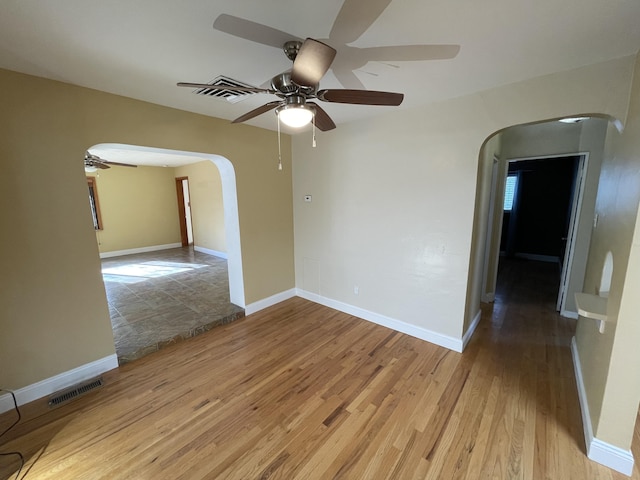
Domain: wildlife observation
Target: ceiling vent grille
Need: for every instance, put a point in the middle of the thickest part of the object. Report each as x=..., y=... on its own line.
x=218, y=89
x=73, y=392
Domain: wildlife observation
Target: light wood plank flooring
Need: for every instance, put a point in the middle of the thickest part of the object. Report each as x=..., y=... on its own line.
x=300, y=391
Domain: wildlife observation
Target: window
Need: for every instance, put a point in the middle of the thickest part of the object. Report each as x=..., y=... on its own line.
x=509, y=192
x=94, y=203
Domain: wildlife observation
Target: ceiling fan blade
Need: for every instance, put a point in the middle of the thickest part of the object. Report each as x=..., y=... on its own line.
x=225, y=87
x=107, y=163
x=361, y=97
x=346, y=77
x=256, y=32
x=322, y=119
x=98, y=164
x=354, y=18
x=312, y=62
x=410, y=53
x=257, y=111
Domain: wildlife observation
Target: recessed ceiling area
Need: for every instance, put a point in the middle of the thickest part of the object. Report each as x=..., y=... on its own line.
x=142, y=49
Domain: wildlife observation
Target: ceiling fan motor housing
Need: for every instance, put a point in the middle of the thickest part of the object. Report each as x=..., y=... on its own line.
x=283, y=84
x=291, y=49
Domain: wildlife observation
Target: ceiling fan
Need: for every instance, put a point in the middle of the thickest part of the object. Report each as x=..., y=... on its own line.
x=93, y=162
x=352, y=21
x=295, y=87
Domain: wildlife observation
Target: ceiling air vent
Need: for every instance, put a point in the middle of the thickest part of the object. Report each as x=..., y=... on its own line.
x=218, y=89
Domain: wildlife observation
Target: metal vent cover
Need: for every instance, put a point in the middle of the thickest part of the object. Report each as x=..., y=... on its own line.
x=75, y=391
x=217, y=89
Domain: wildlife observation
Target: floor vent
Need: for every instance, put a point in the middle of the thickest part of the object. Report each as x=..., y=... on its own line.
x=218, y=89
x=73, y=392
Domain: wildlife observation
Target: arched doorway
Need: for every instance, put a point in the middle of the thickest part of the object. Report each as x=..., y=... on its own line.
x=153, y=162
x=539, y=140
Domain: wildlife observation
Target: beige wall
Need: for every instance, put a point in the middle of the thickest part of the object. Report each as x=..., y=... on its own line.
x=54, y=314
x=482, y=258
x=609, y=361
x=139, y=208
x=540, y=139
x=207, y=209
x=394, y=196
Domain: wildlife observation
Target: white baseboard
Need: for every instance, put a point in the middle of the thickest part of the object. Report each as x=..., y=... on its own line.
x=597, y=450
x=422, y=333
x=208, y=251
x=58, y=382
x=472, y=328
x=130, y=251
x=269, y=301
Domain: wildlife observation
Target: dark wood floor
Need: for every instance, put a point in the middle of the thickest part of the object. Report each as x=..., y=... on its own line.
x=302, y=391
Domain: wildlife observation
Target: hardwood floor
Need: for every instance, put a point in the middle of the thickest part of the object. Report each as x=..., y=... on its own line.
x=300, y=391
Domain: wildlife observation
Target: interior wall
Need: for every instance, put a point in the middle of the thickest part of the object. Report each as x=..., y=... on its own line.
x=608, y=360
x=541, y=140
x=51, y=252
x=138, y=208
x=481, y=260
x=207, y=208
x=490, y=273
x=393, y=197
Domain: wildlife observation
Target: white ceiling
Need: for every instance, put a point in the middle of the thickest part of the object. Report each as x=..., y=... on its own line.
x=141, y=48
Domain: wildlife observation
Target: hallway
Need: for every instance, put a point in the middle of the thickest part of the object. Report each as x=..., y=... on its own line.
x=536, y=342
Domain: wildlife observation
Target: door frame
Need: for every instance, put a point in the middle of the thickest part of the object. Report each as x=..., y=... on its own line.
x=576, y=207
x=183, y=211
x=578, y=196
x=491, y=227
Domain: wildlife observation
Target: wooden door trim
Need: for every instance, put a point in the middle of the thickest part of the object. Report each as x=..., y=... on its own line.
x=181, y=211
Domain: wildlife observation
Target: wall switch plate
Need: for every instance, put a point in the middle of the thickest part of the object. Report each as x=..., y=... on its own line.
x=307, y=198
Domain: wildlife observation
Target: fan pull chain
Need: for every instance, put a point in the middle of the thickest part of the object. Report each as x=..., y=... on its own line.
x=279, y=146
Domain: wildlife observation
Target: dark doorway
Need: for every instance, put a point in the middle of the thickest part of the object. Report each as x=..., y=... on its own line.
x=537, y=223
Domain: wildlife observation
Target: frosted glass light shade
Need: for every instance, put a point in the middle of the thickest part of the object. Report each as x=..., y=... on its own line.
x=295, y=115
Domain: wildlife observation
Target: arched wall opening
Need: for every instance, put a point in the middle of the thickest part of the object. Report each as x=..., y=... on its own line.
x=549, y=139
x=230, y=205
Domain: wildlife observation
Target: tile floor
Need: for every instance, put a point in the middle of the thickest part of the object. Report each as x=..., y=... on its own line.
x=162, y=297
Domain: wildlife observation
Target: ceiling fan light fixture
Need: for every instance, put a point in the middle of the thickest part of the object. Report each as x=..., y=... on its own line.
x=295, y=115
x=90, y=169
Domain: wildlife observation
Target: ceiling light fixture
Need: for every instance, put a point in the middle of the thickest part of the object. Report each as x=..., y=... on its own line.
x=295, y=115
x=90, y=169
x=295, y=112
